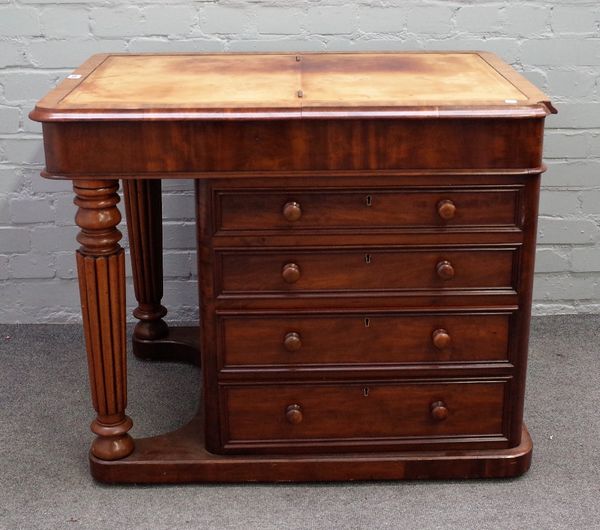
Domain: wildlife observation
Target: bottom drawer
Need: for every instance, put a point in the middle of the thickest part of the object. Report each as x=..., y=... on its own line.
x=352, y=414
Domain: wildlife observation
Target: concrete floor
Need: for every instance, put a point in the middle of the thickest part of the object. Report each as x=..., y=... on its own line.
x=45, y=411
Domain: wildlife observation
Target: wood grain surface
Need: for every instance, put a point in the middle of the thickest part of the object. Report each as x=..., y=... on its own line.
x=258, y=340
x=363, y=414
x=320, y=209
x=339, y=269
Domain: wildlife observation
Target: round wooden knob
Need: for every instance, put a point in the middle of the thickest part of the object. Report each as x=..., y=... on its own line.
x=439, y=411
x=441, y=339
x=292, y=341
x=290, y=272
x=445, y=270
x=292, y=211
x=446, y=209
x=293, y=414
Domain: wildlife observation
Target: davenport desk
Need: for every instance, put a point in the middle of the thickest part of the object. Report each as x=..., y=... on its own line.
x=366, y=238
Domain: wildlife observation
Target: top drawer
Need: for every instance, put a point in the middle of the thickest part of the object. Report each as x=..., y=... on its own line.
x=326, y=208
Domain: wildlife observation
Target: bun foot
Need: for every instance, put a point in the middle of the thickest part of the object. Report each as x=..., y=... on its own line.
x=113, y=441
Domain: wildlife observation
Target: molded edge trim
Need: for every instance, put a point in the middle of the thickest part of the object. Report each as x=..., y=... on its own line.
x=540, y=110
x=279, y=174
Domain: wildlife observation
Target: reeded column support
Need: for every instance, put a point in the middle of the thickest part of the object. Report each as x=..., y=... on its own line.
x=152, y=338
x=101, y=270
x=143, y=206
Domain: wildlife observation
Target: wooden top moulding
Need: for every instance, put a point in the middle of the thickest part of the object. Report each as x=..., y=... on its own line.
x=290, y=86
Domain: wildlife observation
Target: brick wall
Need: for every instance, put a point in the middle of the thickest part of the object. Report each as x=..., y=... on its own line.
x=555, y=43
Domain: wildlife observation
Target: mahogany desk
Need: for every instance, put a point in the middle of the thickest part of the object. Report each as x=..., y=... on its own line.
x=366, y=237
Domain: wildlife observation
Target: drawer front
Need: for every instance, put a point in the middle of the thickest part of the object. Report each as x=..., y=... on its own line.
x=325, y=209
x=384, y=270
x=301, y=339
x=363, y=411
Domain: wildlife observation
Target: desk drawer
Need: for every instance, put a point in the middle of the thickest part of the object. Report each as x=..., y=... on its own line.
x=363, y=412
x=370, y=269
x=324, y=209
x=308, y=339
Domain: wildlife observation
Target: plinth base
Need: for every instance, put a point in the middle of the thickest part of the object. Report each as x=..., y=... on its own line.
x=182, y=344
x=181, y=457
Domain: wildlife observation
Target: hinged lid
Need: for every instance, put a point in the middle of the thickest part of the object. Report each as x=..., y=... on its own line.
x=313, y=85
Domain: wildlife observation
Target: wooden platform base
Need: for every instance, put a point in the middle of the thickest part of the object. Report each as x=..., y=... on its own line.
x=182, y=344
x=180, y=457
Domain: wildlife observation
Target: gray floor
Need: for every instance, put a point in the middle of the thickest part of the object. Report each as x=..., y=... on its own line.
x=44, y=439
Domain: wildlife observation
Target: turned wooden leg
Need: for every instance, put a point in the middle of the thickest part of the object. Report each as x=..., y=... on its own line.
x=101, y=270
x=143, y=206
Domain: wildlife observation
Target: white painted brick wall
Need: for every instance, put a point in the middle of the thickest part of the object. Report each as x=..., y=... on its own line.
x=555, y=43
